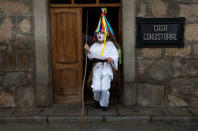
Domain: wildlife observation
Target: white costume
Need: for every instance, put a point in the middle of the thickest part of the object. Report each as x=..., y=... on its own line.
x=102, y=71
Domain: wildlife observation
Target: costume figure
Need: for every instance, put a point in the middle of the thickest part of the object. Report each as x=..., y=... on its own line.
x=106, y=54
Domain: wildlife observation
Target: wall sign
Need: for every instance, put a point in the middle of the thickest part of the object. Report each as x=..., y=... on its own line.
x=160, y=32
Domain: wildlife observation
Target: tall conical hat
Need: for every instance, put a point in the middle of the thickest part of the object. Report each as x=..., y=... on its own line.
x=103, y=24
x=104, y=27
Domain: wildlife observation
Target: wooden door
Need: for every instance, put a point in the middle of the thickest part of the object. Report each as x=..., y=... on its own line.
x=66, y=43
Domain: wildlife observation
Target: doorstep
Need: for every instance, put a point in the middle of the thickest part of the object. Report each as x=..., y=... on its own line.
x=115, y=114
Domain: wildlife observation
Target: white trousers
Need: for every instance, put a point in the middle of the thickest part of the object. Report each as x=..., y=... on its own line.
x=100, y=86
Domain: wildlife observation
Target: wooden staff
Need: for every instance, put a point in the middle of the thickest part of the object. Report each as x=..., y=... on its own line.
x=83, y=84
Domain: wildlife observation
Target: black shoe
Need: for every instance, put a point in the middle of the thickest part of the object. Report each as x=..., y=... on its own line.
x=103, y=108
x=96, y=104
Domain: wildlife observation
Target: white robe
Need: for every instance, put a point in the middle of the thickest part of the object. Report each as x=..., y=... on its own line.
x=110, y=51
x=102, y=73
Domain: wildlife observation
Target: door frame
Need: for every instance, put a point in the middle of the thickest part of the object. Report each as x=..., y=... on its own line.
x=43, y=73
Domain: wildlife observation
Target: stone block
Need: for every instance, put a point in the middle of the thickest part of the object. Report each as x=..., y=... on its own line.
x=43, y=92
x=6, y=99
x=8, y=61
x=191, y=32
x=25, y=25
x=151, y=52
x=176, y=101
x=138, y=52
x=6, y=112
x=141, y=66
x=194, y=110
x=174, y=120
x=74, y=119
x=176, y=111
x=186, y=51
x=148, y=94
x=69, y=110
x=140, y=111
x=2, y=74
x=188, y=10
x=24, y=41
x=186, y=1
x=13, y=79
x=128, y=119
x=183, y=92
x=3, y=47
x=27, y=111
x=24, y=96
x=14, y=8
x=191, y=20
x=177, y=66
x=25, y=120
x=189, y=67
x=173, y=9
x=141, y=8
x=159, y=8
x=6, y=30
x=25, y=60
x=184, y=67
x=160, y=70
x=147, y=1
x=195, y=49
x=98, y=112
x=129, y=93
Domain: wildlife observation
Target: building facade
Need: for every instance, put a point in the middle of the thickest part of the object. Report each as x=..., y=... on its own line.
x=150, y=76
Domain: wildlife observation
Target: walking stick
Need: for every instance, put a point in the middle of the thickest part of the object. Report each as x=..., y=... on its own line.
x=83, y=84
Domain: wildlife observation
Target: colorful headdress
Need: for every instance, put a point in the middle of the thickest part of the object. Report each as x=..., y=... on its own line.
x=104, y=27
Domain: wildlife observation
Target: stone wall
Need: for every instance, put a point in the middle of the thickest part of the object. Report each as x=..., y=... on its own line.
x=169, y=76
x=17, y=57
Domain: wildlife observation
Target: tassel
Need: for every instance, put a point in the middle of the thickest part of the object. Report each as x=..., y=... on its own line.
x=119, y=56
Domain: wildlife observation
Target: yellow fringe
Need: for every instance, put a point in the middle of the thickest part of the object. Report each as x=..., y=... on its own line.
x=103, y=48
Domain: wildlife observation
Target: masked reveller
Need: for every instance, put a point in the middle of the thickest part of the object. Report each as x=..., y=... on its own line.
x=106, y=55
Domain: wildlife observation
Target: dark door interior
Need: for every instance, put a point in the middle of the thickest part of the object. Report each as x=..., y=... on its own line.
x=93, y=18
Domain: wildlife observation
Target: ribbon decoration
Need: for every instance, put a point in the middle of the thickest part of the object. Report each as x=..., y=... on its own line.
x=105, y=27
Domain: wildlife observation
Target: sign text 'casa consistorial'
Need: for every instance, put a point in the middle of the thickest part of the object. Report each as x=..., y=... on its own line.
x=160, y=32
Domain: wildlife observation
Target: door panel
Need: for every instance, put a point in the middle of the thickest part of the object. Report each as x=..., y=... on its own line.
x=67, y=47
x=66, y=40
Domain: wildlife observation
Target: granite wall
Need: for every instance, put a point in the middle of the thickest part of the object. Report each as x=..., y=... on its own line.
x=169, y=76
x=17, y=56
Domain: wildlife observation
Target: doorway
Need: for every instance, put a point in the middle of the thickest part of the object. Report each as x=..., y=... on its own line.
x=68, y=27
x=93, y=18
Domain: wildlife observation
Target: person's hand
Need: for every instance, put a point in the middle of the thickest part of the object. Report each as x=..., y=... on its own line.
x=86, y=47
x=109, y=59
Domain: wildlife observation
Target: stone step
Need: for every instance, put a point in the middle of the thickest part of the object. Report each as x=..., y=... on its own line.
x=57, y=114
x=181, y=120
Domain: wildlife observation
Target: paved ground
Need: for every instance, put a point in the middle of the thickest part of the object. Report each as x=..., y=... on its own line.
x=117, y=118
x=97, y=127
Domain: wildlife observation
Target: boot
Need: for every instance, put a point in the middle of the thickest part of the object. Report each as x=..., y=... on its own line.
x=96, y=104
x=103, y=108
